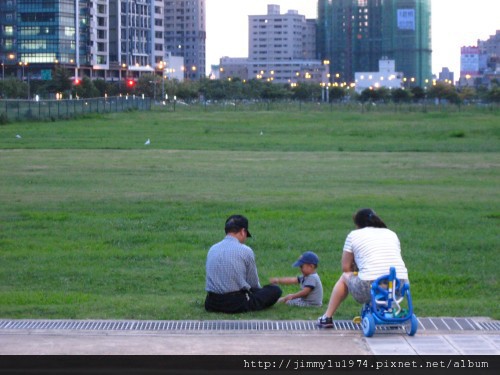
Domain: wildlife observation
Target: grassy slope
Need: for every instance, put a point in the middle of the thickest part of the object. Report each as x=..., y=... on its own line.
x=95, y=224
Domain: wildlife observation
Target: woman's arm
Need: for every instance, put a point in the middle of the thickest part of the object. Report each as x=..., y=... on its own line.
x=348, y=262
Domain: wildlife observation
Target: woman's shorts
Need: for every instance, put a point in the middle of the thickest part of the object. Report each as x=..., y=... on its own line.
x=359, y=289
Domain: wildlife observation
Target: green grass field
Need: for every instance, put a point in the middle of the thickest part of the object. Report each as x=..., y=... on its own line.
x=94, y=224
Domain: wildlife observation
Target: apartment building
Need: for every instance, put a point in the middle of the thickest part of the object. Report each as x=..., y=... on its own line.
x=281, y=49
x=107, y=39
x=185, y=34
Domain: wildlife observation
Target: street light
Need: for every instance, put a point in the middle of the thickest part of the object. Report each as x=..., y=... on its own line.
x=154, y=87
x=25, y=64
x=162, y=65
x=122, y=67
x=22, y=65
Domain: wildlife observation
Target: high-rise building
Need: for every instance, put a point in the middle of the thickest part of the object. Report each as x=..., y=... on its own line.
x=135, y=39
x=446, y=76
x=102, y=38
x=472, y=61
x=491, y=47
x=281, y=49
x=355, y=34
x=276, y=36
x=185, y=34
x=480, y=65
x=36, y=35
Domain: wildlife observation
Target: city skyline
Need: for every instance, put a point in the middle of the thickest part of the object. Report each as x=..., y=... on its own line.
x=454, y=24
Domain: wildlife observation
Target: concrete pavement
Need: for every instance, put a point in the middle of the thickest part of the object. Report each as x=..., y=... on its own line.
x=232, y=338
x=244, y=343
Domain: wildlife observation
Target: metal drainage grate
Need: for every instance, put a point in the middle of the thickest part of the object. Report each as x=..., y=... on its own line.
x=490, y=326
x=425, y=324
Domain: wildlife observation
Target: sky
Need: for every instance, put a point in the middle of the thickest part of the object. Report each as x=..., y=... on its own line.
x=455, y=23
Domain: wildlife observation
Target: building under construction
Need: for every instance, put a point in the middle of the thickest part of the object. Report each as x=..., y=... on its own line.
x=353, y=35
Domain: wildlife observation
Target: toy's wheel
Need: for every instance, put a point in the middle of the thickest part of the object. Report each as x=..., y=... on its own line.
x=368, y=325
x=412, y=325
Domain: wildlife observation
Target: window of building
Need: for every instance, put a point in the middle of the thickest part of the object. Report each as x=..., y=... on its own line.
x=69, y=31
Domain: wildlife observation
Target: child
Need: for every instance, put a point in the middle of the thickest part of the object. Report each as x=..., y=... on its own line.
x=311, y=292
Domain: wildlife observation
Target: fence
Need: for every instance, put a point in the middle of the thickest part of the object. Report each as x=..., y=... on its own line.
x=19, y=110
x=308, y=106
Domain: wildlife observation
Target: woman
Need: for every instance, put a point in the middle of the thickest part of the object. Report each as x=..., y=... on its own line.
x=369, y=251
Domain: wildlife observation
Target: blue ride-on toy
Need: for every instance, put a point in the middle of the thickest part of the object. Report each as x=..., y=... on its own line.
x=390, y=305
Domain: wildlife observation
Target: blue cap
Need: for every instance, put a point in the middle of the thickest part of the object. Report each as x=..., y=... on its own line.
x=307, y=258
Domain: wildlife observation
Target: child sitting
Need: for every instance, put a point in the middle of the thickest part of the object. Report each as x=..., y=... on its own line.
x=311, y=289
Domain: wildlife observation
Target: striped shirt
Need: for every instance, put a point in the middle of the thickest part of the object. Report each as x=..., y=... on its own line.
x=230, y=267
x=375, y=251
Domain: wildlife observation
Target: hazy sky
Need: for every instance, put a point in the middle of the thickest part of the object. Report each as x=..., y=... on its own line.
x=455, y=23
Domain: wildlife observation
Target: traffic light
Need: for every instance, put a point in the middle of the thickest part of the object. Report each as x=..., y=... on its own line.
x=77, y=81
x=130, y=82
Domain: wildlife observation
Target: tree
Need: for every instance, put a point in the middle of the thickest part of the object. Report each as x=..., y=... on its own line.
x=467, y=94
x=253, y=89
x=13, y=88
x=443, y=91
x=146, y=84
x=337, y=94
x=274, y=91
x=418, y=93
x=399, y=96
x=306, y=91
x=85, y=88
x=188, y=90
x=368, y=95
x=105, y=88
x=61, y=81
x=214, y=89
x=493, y=95
x=383, y=94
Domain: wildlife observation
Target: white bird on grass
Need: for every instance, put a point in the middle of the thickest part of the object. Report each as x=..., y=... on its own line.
x=18, y=136
x=148, y=142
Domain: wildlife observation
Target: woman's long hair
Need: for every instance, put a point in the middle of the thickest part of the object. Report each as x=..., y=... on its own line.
x=366, y=217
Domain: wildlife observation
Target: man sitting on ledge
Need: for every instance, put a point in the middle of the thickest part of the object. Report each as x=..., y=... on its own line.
x=232, y=282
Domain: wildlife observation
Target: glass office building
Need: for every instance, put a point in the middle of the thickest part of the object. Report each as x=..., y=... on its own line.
x=46, y=31
x=106, y=39
x=353, y=35
x=37, y=35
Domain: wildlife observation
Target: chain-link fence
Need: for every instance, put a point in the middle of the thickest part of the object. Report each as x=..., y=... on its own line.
x=20, y=110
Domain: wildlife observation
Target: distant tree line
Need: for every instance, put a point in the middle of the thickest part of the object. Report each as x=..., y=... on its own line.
x=62, y=86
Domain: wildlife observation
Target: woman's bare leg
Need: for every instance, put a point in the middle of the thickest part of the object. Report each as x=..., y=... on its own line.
x=339, y=294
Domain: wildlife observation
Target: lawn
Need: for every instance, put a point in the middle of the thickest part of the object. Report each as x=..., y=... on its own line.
x=95, y=224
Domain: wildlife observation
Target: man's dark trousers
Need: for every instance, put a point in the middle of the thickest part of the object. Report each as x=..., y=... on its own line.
x=243, y=301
